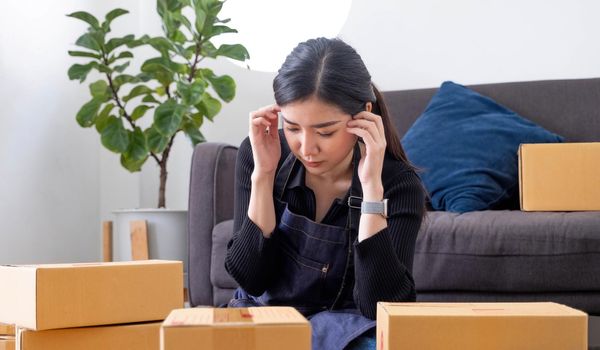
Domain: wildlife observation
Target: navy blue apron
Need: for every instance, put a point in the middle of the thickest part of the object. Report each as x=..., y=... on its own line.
x=313, y=268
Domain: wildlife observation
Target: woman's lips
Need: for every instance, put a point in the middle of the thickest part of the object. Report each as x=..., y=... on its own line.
x=312, y=164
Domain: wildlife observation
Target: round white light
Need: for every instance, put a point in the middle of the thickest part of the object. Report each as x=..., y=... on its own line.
x=270, y=29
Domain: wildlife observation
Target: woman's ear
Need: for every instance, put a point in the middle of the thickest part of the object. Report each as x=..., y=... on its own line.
x=368, y=107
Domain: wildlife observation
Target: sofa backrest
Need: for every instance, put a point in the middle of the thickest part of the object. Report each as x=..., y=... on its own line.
x=570, y=108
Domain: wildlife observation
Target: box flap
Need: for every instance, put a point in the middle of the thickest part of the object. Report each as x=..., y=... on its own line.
x=269, y=315
x=480, y=309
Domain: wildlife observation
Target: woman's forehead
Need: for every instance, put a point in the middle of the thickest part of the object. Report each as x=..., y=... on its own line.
x=312, y=112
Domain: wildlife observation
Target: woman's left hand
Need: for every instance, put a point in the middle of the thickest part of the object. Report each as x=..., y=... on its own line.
x=369, y=126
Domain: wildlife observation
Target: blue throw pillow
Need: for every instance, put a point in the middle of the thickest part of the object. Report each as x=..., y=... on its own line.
x=466, y=146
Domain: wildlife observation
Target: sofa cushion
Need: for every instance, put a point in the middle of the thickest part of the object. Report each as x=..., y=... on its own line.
x=466, y=144
x=219, y=277
x=508, y=251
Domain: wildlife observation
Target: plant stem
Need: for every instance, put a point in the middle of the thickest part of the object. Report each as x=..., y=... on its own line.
x=163, y=173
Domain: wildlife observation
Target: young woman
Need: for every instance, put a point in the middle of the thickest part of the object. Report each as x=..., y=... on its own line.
x=327, y=210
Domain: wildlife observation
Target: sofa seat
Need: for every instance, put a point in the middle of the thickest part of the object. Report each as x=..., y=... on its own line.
x=508, y=251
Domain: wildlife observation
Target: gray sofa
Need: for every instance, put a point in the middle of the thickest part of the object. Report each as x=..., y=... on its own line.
x=503, y=255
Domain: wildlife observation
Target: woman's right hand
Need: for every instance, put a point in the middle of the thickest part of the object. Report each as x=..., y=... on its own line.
x=264, y=138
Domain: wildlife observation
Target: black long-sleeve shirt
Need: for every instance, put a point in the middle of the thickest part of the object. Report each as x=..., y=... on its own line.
x=382, y=264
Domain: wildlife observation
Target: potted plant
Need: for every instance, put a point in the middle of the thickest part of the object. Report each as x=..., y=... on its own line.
x=171, y=87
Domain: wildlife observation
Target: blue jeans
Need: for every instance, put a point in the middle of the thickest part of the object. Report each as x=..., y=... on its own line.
x=366, y=341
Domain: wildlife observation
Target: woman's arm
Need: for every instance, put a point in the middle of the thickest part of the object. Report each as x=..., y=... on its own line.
x=249, y=256
x=383, y=261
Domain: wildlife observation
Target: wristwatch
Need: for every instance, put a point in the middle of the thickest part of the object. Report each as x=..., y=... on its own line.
x=380, y=208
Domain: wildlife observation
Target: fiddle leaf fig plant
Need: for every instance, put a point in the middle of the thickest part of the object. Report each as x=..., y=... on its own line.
x=171, y=87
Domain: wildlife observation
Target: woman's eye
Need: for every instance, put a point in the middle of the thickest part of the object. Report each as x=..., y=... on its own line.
x=326, y=135
x=292, y=130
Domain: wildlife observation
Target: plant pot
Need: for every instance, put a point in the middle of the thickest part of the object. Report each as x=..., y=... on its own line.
x=167, y=234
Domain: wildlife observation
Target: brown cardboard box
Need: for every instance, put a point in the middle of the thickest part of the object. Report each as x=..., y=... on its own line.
x=7, y=343
x=253, y=328
x=139, y=336
x=7, y=329
x=475, y=326
x=54, y=296
x=559, y=176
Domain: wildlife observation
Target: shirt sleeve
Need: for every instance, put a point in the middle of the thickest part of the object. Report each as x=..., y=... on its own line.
x=383, y=262
x=249, y=255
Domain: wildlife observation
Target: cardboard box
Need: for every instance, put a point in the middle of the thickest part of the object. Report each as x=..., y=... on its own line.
x=7, y=329
x=7, y=343
x=559, y=176
x=475, y=326
x=253, y=328
x=54, y=296
x=140, y=336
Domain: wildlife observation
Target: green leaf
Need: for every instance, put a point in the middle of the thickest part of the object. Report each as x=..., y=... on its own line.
x=102, y=118
x=84, y=54
x=194, y=134
x=181, y=18
x=137, y=91
x=79, y=71
x=200, y=18
x=130, y=164
x=207, y=73
x=237, y=52
x=209, y=106
x=150, y=99
x=164, y=6
x=218, y=30
x=102, y=68
x=224, y=87
x=208, y=49
x=139, y=111
x=197, y=119
x=116, y=42
x=162, y=45
x=156, y=142
x=87, y=114
x=122, y=79
x=100, y=91
x=111, y=16
x=122, y=67
x=214, y=7
x=179, y=37
x=86, y=17
x=124, y=54
x=137, y=149
x=114, y=136
x=163, y=69
x=191, y=94
x=88, y=41
x=168, y=117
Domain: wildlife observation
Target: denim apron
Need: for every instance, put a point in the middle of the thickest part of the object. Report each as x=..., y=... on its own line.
x=313, y=268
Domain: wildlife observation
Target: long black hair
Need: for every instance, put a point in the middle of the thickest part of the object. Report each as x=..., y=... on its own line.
x=333, y=72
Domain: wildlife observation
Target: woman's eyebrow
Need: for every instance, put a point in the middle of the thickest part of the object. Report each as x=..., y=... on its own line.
x=316, y=126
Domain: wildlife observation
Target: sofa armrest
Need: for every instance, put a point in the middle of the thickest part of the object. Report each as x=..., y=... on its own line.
x=210, y=202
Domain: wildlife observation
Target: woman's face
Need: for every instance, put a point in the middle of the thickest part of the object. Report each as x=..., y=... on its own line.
x=316, y=133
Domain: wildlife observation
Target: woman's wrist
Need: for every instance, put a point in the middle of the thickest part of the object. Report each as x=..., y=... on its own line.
x=373, y=193
x=262, y=177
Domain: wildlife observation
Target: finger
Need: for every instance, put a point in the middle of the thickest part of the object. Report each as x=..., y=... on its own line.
x=366, y=136
x=367, y=125
x=372, y=117
x=260, y=123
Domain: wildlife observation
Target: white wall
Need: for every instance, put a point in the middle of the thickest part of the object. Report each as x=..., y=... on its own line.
x=50, y=180
x=57, y=183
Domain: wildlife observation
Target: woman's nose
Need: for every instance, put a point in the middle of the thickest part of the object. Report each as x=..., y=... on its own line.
x=308, y=148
